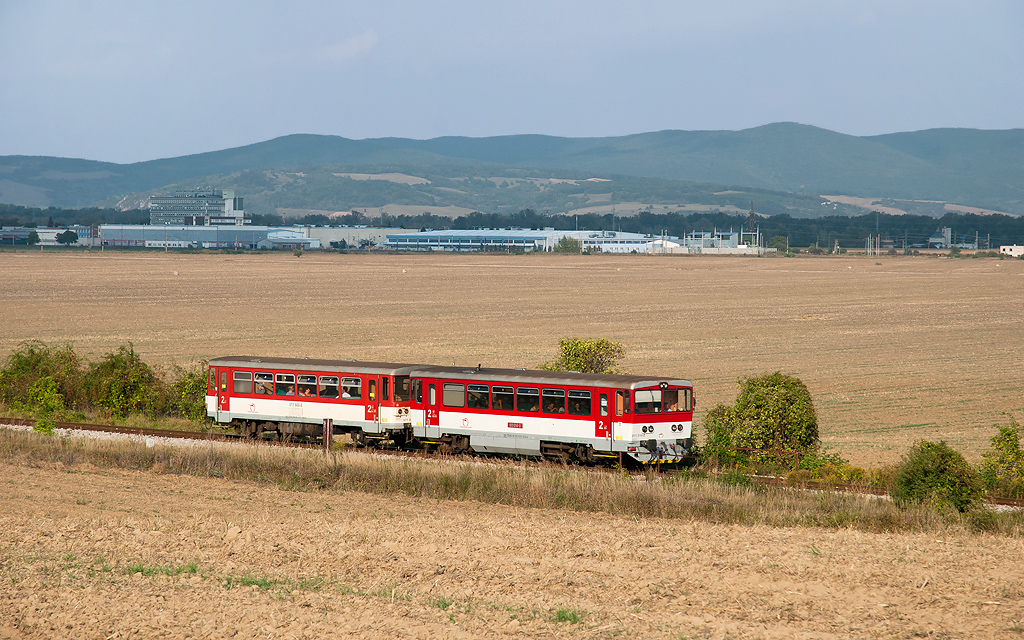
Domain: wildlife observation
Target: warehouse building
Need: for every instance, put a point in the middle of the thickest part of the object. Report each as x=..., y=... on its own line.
x=520, y=240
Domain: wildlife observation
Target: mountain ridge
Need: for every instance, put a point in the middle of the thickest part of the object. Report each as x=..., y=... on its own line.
x=971, y=167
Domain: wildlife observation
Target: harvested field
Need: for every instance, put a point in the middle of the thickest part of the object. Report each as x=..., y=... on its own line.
x=893, y=349
x=89, y=553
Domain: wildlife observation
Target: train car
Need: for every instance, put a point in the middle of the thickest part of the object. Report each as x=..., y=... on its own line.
x=294, y=396
x=561, y=415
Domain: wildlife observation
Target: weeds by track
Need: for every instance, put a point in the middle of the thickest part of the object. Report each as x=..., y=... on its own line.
x=765, y=481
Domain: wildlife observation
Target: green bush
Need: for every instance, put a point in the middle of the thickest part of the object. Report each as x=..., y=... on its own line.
x=935, y=475
x=1002, y=467
x=772, y=411
x=33, y=361
x=586, y=355
x=188, y=391
x=122, y=383
x=568, y=244
x=44, y=398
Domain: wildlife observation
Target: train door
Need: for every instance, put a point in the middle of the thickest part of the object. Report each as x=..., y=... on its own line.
x=417, y=412
x=372, y=404
x=433, y=429
x=619, y=427
x=603, y=423
x=222, y=396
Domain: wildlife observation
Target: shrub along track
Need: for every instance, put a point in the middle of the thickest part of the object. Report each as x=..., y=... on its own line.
x=768, y=481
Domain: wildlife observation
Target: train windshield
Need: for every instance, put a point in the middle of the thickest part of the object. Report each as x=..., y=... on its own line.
x=662, y=400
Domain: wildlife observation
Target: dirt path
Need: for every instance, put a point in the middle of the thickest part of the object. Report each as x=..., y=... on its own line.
x=111, y=554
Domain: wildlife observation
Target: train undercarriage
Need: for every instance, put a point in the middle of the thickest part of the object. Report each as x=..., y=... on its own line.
x=450, y=444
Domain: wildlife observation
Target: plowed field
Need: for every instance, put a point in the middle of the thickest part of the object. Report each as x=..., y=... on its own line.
x=120, y=554
x=893, y=349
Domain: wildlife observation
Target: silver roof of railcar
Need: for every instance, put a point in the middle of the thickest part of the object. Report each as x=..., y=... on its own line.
x=310, y=364
x=529, y=376
x=515, y=376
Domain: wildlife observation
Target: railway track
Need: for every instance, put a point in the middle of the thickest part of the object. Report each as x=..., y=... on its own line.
x=768, y=481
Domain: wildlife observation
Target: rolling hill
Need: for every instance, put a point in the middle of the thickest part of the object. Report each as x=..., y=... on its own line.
x=788, y=165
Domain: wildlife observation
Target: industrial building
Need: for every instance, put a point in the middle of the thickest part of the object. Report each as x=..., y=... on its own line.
x=12, y=236
x=198, y=207
x=716, y=242
x=239, y=237
x=519, y=240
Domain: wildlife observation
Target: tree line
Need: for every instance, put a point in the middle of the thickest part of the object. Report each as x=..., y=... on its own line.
x=848, y=231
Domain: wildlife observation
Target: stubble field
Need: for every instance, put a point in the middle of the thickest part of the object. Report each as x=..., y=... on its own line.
x=892, y=352
x=893, y=349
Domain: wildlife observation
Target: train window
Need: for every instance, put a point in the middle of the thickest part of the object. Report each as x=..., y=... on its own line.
x=687, y=404
x=528, y=399
x=328, y=386
x=417, y=391
x=604, y=404
x=479, y=397
x=647, y=400
x=502, y=398
x=433, y=395
x=579, y=403
x=223, y=381
x=241, y=382
x=351, y=388
x=401, y=388
x=371, y=389
x=554, y=400
x=676, y=400
x=453, y=394
x=213, y=379
x=285, y=384
x=307, y=386
x=385, y=388
x=264, y=384
x=626, y=403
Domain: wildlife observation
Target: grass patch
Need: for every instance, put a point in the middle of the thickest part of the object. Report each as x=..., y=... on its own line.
x=572, y=616
x=148, y=570
x=687, y=496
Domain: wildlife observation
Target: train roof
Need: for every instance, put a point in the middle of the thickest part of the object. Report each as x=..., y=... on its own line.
x=515, y=376
x=311, y=364
x=529, y=376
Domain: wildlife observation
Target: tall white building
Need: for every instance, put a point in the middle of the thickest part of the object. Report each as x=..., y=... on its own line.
x=198, y=207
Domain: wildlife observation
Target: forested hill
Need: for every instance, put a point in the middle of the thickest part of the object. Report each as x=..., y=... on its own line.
x=983, y=169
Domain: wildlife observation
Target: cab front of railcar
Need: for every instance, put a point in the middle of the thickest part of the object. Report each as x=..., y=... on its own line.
x=654, y=421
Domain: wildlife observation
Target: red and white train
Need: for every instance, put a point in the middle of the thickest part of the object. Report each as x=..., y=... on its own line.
x=560, y=415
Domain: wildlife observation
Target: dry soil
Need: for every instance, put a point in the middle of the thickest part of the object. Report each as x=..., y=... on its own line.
x=86, y=553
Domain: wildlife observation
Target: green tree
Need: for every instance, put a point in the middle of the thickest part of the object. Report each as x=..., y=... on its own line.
x=935, y=475
x=568, y=244
x=772, y=411
x=124, y=384
x=779, y=243
x=33, y=238
x=1002, y=466
x=67, y=238
x=586, y=355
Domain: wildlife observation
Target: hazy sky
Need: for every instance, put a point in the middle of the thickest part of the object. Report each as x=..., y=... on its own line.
x=128, y=81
